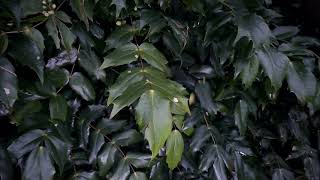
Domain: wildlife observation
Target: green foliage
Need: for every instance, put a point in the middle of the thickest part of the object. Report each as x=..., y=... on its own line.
x=166, y=89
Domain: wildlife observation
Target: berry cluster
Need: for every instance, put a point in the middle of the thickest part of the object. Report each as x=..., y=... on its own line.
x=48, y=7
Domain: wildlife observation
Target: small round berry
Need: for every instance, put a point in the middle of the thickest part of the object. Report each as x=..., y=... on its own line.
x=46, y=14
x=54, y=6
x=118, y=23
x=135, y=8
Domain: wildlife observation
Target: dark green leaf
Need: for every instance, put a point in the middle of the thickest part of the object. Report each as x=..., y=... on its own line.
x=255, y=28
x=91, y=63
x=123, y=55
x=36, y=36
x=204, y=94
x=82, y=86
x=274, y=64
x=95, y=144
x=106, y=158
x=122, y=171
x=58, y=108
x=138, y=160
x=301, y=81
x=58, y=150
x=127, y=138
x=39, y=165
x=26, y=143
x=27, y=53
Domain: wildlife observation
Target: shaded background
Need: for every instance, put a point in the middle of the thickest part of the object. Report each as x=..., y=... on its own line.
x=302, y=13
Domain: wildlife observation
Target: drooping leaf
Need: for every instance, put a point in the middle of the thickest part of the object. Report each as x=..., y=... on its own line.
x=301, y=81
x=39, y=165
x=274, y=64
x=254, y=27
x=175, y=146
x=81, y=85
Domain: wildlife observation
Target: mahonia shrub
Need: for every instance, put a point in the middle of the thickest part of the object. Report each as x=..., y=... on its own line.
x=156, y=89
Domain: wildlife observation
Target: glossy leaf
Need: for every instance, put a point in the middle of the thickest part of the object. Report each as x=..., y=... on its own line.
x=26, y=143
x=274, y=64
x=106, y=158
x=81, y=85
x=122, y=171
x=91, y=63
x=39, y=165
x=28, y=54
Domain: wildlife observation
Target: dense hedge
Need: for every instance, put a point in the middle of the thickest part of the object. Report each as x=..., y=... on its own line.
x=166, y=89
